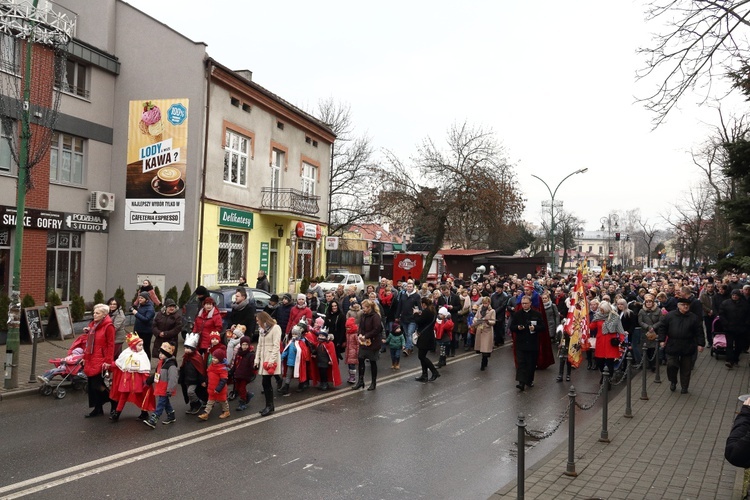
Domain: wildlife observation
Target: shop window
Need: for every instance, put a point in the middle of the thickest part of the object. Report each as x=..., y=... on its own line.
x=5, y=264
x=64, y=263
x=232, y=255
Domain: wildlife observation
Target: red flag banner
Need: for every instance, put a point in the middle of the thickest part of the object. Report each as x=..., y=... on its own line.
x=577, y=323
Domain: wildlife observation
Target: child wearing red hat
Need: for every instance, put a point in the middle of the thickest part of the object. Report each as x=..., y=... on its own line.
x=352, y=349
x=218, y=375
x=132, y=368
x=243, y=371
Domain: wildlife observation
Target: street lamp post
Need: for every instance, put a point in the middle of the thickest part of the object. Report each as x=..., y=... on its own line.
x=552, y=209
x=610, y=221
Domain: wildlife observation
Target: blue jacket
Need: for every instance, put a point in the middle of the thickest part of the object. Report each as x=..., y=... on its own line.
x=290, y=354
x=144, y=317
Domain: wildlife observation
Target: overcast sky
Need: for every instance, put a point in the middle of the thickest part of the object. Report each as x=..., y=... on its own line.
x=554, y=80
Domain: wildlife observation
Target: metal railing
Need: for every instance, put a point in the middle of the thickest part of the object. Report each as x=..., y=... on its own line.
x=289, y=200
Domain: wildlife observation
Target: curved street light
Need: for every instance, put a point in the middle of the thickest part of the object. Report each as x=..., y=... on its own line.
x=552, y=208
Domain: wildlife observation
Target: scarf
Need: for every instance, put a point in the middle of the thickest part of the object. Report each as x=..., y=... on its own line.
x=612, y=323
x=90, y=338
x=209, y=314
x=241, y=305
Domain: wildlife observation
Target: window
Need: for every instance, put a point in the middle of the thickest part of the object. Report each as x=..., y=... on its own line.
x=232, y=249
x=305, y=258
x=9, y=54
x=277, y=162
x=345, y=257
x=64, y=263
x=236, y=147
x=74, y=80
x=66, y=159
x=309, y=175
x=6, y=159
x=600, y=248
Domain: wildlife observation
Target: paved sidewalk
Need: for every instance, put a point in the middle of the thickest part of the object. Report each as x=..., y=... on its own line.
x=672, y=448
x=50, y=348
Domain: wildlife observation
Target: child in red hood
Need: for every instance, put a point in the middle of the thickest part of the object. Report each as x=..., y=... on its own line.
x=352, y=349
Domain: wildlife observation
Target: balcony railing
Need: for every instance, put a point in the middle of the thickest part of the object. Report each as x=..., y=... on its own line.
x=289, y=200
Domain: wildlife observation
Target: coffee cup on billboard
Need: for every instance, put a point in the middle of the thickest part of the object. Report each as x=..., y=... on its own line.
x=169, y=177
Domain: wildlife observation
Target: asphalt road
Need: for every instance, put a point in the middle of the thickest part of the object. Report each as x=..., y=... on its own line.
x=452, y=438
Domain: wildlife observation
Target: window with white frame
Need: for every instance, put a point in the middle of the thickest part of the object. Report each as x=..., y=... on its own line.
x=277, y=162
x=64, y=263
x=232, y=251
x=74, y=81
x=66, y=159
x=236, y=147
x=6, y=159
x=9, y=54
x=309, y=177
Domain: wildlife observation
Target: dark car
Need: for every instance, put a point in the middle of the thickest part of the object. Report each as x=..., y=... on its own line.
x=222, y=295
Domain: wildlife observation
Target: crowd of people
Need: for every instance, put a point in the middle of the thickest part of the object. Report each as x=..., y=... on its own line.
x=299, y=342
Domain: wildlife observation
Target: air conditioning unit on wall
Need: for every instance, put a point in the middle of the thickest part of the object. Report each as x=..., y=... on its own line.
x=99, y=201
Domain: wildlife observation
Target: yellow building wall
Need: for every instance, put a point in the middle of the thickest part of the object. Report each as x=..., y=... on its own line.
x=265, y=228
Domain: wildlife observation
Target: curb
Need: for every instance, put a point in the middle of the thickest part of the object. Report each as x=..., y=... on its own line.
x=17, y=393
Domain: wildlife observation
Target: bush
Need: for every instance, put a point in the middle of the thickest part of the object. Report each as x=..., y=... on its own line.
x=27, y=301
x=77, y=308
x=52, y=300
x=120, y=296
x=98, y=297
x=737, y=264
x=304, y=285
x=185, y=295
x=158, y=294
x=4, y=306
x=172, y=294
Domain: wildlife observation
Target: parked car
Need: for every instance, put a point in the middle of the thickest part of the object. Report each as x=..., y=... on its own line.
x=335, y=279
x=223, y=297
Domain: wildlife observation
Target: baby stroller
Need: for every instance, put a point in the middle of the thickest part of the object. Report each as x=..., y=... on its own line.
x=72, y=373
x=719, y=345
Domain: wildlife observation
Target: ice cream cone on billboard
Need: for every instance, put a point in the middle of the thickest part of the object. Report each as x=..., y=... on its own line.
x=150, y=123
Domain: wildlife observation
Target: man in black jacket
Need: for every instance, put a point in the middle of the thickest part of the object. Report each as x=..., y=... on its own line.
x=243, y=311
x=499, y=302
x=680, y=333
x=733, y=314
x=526, y=324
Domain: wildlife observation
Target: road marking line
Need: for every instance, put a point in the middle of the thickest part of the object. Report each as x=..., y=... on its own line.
x=124, y=458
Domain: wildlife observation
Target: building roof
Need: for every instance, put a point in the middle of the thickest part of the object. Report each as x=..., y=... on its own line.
x=460, y=252
x=370, y=232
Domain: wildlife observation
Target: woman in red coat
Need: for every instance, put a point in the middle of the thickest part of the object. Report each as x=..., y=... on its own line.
x=608, y=337
x=207, y=321
x=97, y=357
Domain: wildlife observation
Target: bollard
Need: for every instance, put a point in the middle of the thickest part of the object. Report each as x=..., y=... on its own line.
x=629, y=374
x=657, y=377
x=604, y=437
x=521, y=456
x=32, y=376
x=571, y=469
x=644, y=359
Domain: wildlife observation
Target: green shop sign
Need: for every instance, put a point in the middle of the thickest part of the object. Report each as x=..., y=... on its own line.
x=264, y=256
x=235, y=218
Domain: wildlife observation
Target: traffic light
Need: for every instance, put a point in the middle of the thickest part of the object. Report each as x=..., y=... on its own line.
x=617, y=236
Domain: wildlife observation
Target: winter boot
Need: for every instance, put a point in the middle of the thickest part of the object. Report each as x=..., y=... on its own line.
x=203, y=416
x=352, y=376
x=170, y=419
x=151, y=422
x=242, y=406
x=323, y=386
x=397, y=366
x=484, y=363
x=143, y=416
x=195, y=407
x=284, y=389
x=224, y=414
x=115, y=416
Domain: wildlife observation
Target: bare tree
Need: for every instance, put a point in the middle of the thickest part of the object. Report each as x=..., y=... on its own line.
x=461, y=192
x=691, y=220
x=701, y=39
x=353, y=187
x=647, y=233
